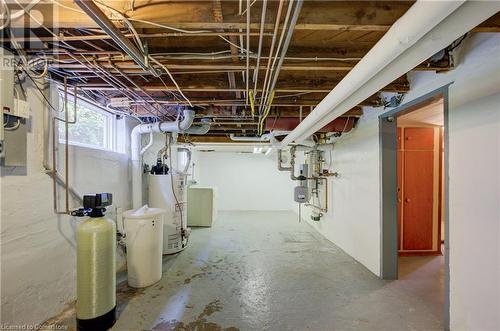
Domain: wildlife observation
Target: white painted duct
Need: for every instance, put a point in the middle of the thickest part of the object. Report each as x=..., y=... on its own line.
x=465, y=18
x=262, y=138
x=135, y=148
x=198, y=129
x=421, y=18
x=271, y=137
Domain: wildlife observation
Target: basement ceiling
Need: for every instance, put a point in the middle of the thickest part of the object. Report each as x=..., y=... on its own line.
x=204, y=46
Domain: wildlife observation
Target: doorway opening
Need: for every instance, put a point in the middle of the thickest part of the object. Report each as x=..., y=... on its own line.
x=420, y=202
x=414, y=248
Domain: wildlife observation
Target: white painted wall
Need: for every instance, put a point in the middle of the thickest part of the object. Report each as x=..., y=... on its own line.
x=245, y=181
x=38, y=269
x=474, y=125
x=475, y=215
x=352, y=220
x=474, y=182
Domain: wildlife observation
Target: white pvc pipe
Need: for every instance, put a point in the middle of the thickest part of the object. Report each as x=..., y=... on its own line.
x=265, y=137
x=250, y=139
x=198, y=129
x=421, y=18
x=135, y=148
x=150, y=143
x=457, y=24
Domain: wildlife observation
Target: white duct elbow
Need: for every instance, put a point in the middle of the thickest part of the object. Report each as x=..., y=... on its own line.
x=198, y=129
x=178, y=126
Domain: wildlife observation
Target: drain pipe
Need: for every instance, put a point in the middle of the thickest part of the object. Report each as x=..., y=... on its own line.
x=421, y=18
x=460, y=22
x=135, y=148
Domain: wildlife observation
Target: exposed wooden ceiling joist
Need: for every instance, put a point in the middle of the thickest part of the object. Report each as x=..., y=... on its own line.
x=341, y=31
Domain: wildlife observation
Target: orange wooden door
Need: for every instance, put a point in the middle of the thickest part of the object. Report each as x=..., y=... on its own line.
x=418, y=193
x=400, y=185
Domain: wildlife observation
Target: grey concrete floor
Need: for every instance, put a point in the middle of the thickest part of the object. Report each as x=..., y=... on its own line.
x=266, y=271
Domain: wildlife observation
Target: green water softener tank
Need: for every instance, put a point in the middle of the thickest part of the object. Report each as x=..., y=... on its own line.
x=96, y=275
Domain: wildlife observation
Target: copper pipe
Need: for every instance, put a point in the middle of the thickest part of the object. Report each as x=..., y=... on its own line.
x=325, y=209
x=66, y=120
x=66, y=148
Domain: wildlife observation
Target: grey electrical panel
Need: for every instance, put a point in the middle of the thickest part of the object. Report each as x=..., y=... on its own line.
x=301, y=194
x=14, y=115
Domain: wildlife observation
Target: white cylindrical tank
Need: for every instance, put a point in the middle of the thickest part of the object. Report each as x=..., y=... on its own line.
x=96, y=276
x=144, y=241
x=162, y=196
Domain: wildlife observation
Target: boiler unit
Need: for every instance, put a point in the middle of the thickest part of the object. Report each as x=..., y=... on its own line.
x=95, y=265
x=168, y=190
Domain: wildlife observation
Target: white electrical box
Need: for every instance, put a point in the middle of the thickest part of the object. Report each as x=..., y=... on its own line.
x=6, y=89
x=201, y=209
x=6, y=81
x=21, y=109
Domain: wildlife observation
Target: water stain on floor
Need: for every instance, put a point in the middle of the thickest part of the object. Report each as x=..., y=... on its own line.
x=199, y=324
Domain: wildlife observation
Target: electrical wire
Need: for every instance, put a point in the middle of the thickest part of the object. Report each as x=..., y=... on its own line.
x=41, y=92
x=158, y=25
x=5, y=16
x=12, y=128
x=27, y=11
x=171, y=77
x=251, y=4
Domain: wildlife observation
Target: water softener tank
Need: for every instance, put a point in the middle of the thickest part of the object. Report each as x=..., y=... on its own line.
x=96, y=275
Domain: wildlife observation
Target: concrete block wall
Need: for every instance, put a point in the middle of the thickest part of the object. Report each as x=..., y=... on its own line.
x=38, y=259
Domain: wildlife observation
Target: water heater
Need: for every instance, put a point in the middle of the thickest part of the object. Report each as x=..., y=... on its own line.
x=95, y=266
x=168, y=191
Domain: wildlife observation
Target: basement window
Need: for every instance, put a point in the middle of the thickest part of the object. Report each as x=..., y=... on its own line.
x=95, y=127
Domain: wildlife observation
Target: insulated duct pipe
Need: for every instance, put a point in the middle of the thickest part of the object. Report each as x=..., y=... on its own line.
x=135, y=148
x=459, y=23
x=199, y=129
x=271, y=137
x=263, y=138
x=421, y=18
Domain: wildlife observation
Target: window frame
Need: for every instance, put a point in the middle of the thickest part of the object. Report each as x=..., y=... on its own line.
x=110, y=128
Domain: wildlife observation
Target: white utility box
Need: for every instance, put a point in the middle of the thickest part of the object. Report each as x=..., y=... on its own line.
x=144, y=240
x=202, y=209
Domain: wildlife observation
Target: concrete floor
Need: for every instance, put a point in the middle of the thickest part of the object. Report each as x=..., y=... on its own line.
x=266, y=271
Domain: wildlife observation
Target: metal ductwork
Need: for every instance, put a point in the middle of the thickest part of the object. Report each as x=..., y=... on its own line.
x=91, y=9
